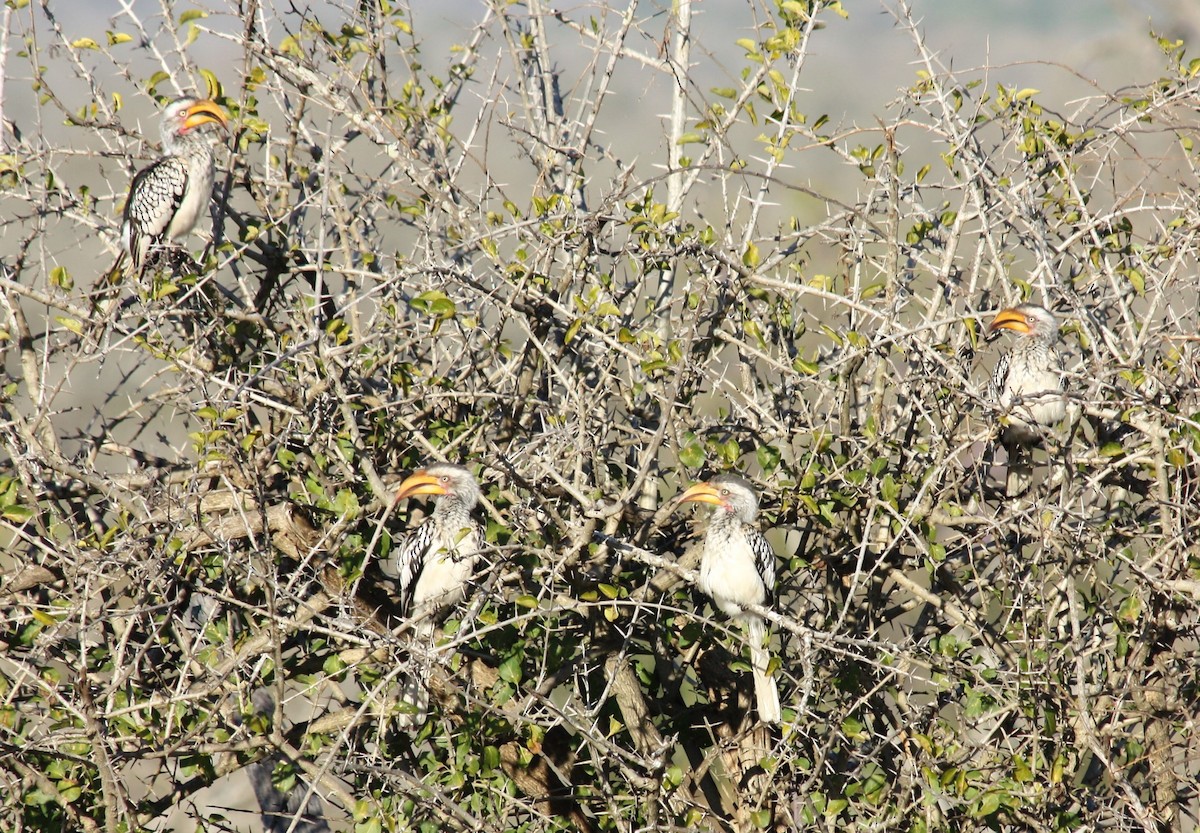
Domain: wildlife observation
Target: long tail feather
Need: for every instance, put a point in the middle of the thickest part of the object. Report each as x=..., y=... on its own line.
x=1020, y=470
x=414, y=699
x=414, y=694
x=766, y=692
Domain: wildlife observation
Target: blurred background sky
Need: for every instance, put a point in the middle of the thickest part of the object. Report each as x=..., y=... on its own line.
x=857, y=64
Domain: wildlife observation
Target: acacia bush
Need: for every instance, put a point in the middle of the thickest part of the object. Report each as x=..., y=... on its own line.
x=494, y=255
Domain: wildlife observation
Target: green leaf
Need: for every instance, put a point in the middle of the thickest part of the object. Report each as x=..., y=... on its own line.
x=768, y=458
x=1138, y=280
x=692, y=455
x=291, y=46
x=192, y=14
x=60, y=277
x=156, y=79
x=435, y=303
x=85, y=43
x=71, y=324
x=750, y=257
x=801, y=365
x=572, y=331
x=835, y=806
x=44, y=618
x=987, y=805
x=212, y=84
x=18, y=514
x=889, y=489
x=1130, y=610
x=443, y=308
x=510, y=670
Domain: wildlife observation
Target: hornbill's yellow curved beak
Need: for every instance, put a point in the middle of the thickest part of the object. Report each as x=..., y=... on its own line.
x=1010, y=319
x=420, y=483
x=206, y=111
x=702, y=493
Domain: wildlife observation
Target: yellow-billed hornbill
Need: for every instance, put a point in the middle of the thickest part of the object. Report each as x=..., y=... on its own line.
x=1028, y=381
x=433, y=564
x=737, y=568
x=1027, y=386
x=167, y=197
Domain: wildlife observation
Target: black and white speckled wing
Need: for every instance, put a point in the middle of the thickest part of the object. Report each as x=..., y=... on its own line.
x=155, y=197
x=410, y=561
x=764, y=561
x=999, y=377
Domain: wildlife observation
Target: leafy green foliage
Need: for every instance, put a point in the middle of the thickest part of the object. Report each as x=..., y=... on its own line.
x=427, y=254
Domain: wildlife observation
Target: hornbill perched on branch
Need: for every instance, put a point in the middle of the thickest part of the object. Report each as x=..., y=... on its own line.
x=737, y=567
x=168, y=196
x=433, y=565
x=1027, y=385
